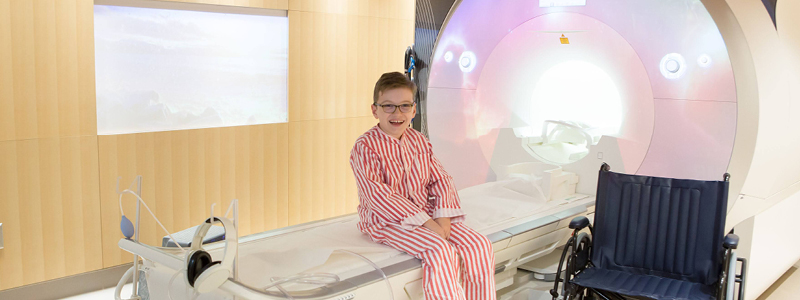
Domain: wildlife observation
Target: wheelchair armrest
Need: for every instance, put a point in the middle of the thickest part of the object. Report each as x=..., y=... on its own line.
x=579, y=223
x=731, y=241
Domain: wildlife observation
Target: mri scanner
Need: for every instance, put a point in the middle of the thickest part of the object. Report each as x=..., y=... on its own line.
x=523, y=101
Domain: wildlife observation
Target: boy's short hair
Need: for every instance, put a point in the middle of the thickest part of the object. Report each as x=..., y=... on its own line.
x=392, y=80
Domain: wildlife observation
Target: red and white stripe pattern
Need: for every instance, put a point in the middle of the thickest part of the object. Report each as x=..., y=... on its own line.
x=440, y=260
x=400, y=181
x=401, y=185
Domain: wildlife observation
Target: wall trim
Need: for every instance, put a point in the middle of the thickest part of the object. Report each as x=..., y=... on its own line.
x=69, y=286
x=202, y=7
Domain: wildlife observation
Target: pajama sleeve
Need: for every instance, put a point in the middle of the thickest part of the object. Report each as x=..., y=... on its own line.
x=379, y=197
x=443, y=193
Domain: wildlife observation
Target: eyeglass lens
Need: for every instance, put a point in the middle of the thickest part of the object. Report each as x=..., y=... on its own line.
x=390, y=108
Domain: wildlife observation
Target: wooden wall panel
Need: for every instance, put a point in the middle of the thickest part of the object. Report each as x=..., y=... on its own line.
x=45, y=73
x=338, y=49
x=87, y=95
x=185, y=172
x=66, y=51
x=43, y=77
x=7, y=122
x=30, y=211
x=272, y=4
x=391, y=9
x=335, y=60
x=51, y=212
x=50, y=209
x=11, y=255
x=321, y=183
x=24, y=77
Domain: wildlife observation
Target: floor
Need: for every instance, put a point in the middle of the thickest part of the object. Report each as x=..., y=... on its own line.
x=786, y=288
x=103, y=294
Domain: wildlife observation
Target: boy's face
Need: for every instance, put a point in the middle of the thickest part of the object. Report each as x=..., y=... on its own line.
x=394, y=123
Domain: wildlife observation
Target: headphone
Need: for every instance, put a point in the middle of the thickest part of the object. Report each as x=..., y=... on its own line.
x=203, y=274
x=410, y=63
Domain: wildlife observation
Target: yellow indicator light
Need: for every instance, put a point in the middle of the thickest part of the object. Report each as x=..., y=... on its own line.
x=564, y=40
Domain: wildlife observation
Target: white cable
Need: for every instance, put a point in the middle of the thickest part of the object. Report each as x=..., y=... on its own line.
x=120, y=204
x=122, y=282
x=169, y=285
x=285, y=292
x=301, y=278
x=304, y=278
x=391, y=294
x=151, y=213
x=212, y=211
x=230, y=207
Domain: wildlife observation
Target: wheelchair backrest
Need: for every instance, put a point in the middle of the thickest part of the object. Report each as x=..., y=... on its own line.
x=660, y=226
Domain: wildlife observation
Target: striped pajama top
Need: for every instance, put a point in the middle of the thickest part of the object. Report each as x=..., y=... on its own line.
x=400, y=181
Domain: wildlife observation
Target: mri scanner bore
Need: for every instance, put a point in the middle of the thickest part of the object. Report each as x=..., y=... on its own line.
x=565, y=134
x=647, y=83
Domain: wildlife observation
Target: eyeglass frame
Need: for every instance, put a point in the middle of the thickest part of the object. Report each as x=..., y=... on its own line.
x=395, y=107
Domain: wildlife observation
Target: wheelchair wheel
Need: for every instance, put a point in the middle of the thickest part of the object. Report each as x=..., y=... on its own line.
x=579, y=255
x=578, y=296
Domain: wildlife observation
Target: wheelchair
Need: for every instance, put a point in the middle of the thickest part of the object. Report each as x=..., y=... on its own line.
x=653, y=238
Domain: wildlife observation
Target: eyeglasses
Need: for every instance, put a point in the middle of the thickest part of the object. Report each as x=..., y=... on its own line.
x=391, y=108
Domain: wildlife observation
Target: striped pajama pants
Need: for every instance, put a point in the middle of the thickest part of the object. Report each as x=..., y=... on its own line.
x=440, y=260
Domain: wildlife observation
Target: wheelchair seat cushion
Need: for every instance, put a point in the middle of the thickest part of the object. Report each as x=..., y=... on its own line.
x=649, y=286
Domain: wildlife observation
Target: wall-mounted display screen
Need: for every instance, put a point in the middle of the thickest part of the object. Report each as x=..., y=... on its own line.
x=160, y=69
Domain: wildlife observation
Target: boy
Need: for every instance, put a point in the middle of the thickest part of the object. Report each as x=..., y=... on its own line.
x=408, y=201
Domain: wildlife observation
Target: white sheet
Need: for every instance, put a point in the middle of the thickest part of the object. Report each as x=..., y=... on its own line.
x=496, y=202
x=300, y=252
x=312, y=250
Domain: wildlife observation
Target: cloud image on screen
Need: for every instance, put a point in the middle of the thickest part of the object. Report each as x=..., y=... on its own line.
x=160, y=69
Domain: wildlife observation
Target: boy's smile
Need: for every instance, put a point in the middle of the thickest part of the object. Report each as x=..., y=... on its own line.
x=395, y=123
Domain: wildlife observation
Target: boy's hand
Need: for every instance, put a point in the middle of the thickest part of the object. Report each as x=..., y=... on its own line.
x=434, y=226
x=444, y=223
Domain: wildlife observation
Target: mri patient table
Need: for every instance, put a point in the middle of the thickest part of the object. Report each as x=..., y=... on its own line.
x=331, y=259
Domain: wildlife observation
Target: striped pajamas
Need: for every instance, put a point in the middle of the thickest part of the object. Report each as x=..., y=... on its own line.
x=401, y=185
